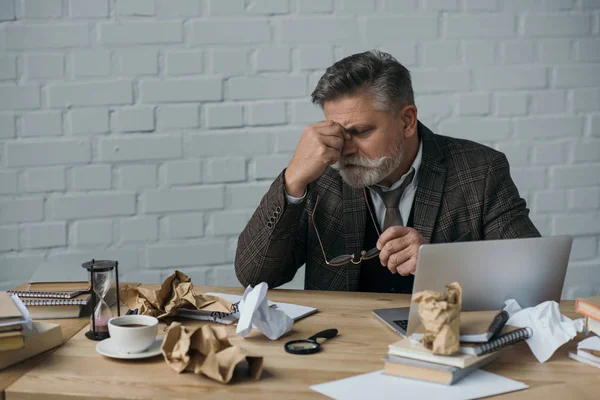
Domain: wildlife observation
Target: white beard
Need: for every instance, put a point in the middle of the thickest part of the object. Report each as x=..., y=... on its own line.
x=365, y=172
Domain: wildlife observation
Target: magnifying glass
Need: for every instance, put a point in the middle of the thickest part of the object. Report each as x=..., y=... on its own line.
x=310, y=345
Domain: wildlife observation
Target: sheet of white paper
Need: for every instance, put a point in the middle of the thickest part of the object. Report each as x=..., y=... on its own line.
x=550, y=328
x=255, y=312
x=478, y=384
x=591, y=343
x=293, y=311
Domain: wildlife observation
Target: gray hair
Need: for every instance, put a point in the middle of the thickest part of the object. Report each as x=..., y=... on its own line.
x=372, y=72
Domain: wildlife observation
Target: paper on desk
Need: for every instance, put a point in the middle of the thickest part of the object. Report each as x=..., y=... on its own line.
x=206, y=350
x=591, y=343
x=177, y=291
x=478, y=384
x=550, y=328
x=254, y=310
x=440, y=316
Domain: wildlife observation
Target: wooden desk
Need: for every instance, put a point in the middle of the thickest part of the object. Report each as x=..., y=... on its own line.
x=76, y=371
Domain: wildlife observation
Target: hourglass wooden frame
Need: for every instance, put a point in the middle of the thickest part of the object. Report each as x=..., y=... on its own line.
x=92, y=268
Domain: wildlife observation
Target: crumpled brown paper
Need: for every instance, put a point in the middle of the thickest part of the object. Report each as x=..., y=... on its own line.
x=206, y=350
x=440, y=316
x=177, y=291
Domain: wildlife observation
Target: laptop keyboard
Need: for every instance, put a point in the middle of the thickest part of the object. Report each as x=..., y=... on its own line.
x=402, y=323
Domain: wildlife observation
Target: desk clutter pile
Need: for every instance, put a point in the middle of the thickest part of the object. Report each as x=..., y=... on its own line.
x=588, y=350
x=445, y=351
x=449, y=344
x=482, y=335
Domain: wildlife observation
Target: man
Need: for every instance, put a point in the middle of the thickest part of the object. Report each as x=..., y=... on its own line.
x=369, y=185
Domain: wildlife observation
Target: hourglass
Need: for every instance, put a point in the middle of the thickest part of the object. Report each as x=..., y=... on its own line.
x=101, y=285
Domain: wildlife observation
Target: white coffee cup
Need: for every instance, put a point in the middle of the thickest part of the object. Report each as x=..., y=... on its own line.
x=133, y=339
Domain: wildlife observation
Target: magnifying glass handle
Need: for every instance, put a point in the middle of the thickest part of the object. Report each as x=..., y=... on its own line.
x=326, y=334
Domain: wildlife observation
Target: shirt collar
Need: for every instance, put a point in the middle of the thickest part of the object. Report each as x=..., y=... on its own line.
x=415, y=166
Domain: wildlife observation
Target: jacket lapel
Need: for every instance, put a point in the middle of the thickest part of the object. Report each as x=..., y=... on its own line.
x=354, y=230
x=430, y=185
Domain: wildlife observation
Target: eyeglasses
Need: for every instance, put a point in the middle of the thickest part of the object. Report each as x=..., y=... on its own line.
x=346, y=258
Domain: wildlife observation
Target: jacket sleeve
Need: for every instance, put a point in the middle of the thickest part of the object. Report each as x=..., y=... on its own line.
x=272, y=246
x=505, y=214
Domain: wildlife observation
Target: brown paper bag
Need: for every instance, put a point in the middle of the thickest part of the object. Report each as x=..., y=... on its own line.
x=177, y=291
x=440, y=316
x=206, y=350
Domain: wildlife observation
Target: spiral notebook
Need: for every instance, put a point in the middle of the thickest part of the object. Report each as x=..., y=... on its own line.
x=497, y=343
x=24, y=292
x=80, y=300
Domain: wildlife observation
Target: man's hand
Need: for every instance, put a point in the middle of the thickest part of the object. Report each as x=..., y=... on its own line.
x=398, y=247
x=320, y=146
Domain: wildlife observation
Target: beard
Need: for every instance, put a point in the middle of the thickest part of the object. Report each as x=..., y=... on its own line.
x=359, y=171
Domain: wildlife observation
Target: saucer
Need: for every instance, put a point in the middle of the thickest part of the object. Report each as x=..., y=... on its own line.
x=108, y=348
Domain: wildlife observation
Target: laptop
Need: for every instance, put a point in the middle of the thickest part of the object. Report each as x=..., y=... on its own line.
x=530, y=270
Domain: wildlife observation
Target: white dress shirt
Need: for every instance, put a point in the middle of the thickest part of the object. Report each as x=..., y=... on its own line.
x=406, y=201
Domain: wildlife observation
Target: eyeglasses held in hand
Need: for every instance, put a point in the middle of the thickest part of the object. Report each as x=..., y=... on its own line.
x=346, y=258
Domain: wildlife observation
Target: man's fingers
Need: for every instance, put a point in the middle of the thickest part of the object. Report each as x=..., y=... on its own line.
x=397, y=259
x=334, y=142
x=391, y=247
x=391, y=233
x=330, y=155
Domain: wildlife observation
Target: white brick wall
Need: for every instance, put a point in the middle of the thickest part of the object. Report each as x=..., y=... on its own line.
x=147, y=131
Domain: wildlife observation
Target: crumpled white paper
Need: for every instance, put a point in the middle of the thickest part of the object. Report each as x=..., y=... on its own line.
x=255, y=311
x=550, y=328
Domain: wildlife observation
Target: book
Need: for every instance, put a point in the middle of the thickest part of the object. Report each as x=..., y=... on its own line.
x=58, y=308
x=430, y=372
x=592, y=325
x=44, y=336
x=11, y=340
x=590, y=307
x=80, y=300
x=591, y=355
x=588, y=351
x=9, y=312
x=10, y=321
x=11, y=328
x=66, y=308
x=59, y=278
x=52, y=291
x=497, y=343
x=475, y=326
x=583, y=360
x=415, y=350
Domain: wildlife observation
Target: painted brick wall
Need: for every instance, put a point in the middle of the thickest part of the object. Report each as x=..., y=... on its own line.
x=147, y=131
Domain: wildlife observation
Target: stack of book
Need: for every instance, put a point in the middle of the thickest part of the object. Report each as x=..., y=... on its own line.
x=588, y=350
x=49, y=300
x=14, y=322
x=482, y=335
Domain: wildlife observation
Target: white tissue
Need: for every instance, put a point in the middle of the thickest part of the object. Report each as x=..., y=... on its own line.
x=255, y=311
x=550, y=328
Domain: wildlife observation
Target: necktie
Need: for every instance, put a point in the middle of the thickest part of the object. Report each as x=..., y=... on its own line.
x=391, y=200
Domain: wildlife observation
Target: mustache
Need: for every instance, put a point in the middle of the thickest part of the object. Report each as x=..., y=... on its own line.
x=357, y=160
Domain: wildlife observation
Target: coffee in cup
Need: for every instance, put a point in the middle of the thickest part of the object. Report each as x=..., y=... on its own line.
x=133, y=333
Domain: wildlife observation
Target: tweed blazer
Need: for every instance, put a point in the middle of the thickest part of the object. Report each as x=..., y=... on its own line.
x=464, y=192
